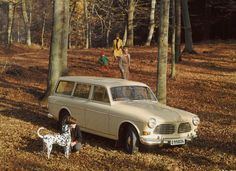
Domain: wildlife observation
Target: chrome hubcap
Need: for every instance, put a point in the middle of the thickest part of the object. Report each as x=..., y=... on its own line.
x=129, y=141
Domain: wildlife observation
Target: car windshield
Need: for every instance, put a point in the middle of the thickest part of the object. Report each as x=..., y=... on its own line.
x=123, y=93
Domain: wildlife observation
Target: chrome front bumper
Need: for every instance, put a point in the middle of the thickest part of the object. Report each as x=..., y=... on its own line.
x=164, y=139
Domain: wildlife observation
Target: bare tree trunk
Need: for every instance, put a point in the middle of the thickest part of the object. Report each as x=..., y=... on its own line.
x=89, y=36
x=27, y=16
x=69, y=40
x=163, y=51
x=152, y=23
x=187, y=28
x=108, y=33
x=18, y=31
x=173, y=40
x=70, y=28
x=86, y=24
x=43, y=28
x=125, y=35
x=55, y=67
x=65, y=32
x=10, y=23
x=108, y=28
x=130, y=31
x=178, y=31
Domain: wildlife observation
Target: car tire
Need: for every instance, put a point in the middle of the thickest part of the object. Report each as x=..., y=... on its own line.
x=131, y=141
x=63, y=119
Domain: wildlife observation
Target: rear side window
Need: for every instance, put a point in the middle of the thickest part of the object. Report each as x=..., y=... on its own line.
x=100, y=94
x=65, y=87
x=82, y=91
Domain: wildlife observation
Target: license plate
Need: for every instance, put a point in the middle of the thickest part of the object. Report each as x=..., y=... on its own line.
x=177, y=142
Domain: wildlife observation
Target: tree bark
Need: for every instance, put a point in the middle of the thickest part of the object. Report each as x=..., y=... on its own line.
x=152, y=23
x=65, y=33
x=43, y=28
x=125, y=35
x=163, y=51
x=86, y=24
x=130, y=31
x=109, y=25
x=178, y=31
x=55, y=67
x=18, y=31
x=89, y=35
x=108, y=30
x=173, y=39
x=187, y=27
x=10, y=23
x=27, y=16
x=70, y=28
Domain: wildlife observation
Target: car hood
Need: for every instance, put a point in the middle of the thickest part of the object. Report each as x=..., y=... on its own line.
x=144, y=110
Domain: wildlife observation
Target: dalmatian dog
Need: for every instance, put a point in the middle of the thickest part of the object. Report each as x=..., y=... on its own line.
x=63, y=140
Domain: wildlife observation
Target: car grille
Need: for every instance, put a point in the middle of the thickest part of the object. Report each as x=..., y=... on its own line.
x=165, y=129
x=184, y=127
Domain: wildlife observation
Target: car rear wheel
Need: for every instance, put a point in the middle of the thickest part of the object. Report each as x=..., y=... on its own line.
x=131, y=141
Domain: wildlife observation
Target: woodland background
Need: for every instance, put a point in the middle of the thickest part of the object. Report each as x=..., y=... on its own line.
x=210, y=19
x=204, y=82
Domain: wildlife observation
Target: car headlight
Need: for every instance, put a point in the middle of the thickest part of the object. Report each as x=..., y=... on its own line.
x=152, y=123
x=196, y=120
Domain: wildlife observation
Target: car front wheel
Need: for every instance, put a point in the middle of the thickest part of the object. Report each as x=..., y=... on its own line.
x=131, y=141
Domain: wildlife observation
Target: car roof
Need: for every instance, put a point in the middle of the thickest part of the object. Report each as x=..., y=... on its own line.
x=105, y=81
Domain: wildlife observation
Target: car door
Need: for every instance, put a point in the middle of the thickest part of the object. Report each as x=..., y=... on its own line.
x=79, y=102
x=62, y=97
x=97, y=112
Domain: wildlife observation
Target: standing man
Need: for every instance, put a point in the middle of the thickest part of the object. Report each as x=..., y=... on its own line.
x=124, y=63
x=117, y=46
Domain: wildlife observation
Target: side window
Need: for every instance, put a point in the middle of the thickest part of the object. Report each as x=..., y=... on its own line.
x=82, y=91
x=100, y=94
x=65, y=87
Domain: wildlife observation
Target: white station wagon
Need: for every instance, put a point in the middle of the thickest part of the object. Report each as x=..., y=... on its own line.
x=122, y=110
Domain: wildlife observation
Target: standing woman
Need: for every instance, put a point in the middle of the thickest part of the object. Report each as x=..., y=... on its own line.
x=117, y=46
x=124, y=64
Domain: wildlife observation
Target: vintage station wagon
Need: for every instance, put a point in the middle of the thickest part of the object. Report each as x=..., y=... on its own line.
x=126, y=111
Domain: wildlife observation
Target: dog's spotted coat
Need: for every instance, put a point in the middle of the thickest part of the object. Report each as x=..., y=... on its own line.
x=63, y=139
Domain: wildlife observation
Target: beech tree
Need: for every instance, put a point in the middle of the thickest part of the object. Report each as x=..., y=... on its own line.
x=43, y=27
x=130, y=23
x=125, y=35
x=27, y=16
x=187, y=28
x=10, y=22
x=177, y=30
x=64, y=36
x=86, y=24
x=152, y=23
x=173, y=30
x=32, y=21
x=108, y=21
x=105, y=16
x=58, y=49
x=163, y=51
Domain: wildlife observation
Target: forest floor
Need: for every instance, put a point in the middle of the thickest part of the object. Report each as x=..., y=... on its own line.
x=205, y=84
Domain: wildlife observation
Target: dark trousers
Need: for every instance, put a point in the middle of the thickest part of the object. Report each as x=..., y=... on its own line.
x=76, y=147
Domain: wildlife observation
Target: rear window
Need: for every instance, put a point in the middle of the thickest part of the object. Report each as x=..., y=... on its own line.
x=65, y=87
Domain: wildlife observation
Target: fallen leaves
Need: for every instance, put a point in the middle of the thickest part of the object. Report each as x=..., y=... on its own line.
x=204, y=84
